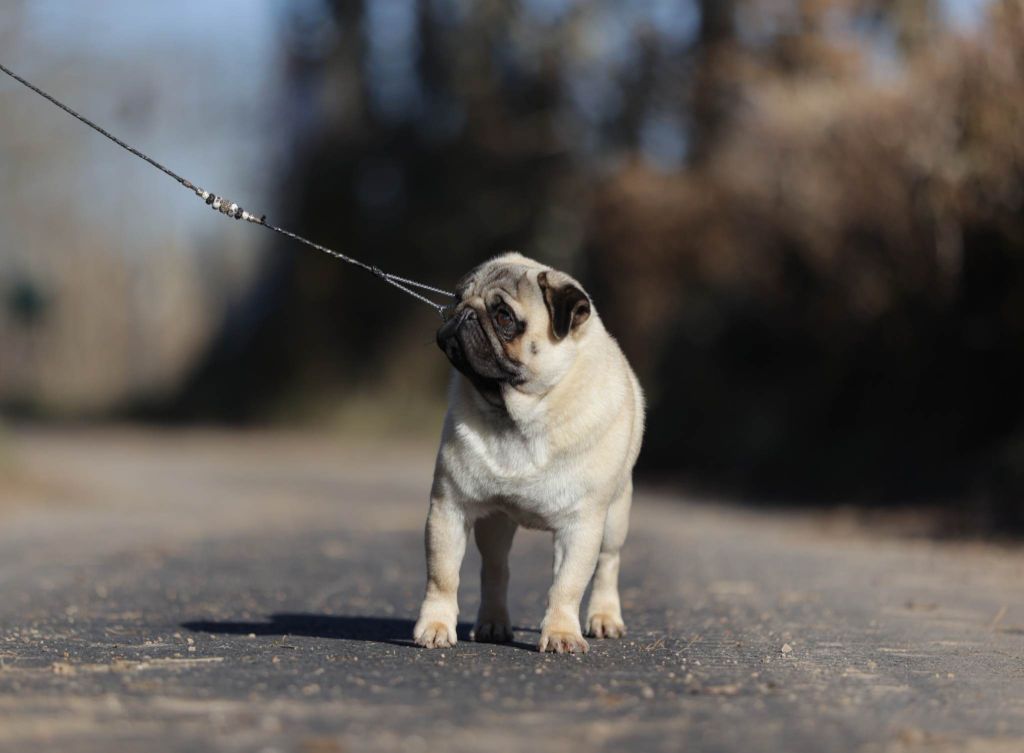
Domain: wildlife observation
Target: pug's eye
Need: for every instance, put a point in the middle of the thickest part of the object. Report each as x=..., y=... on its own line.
x=504, y=321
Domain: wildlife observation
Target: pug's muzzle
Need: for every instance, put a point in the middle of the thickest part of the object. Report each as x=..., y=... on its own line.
x=471, y=351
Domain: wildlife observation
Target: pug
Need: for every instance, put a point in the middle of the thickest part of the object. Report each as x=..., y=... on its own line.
x=543, y=428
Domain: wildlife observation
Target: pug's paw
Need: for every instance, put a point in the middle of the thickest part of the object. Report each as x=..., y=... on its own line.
x=492, y=631
x=562, y=642
x=605, y=625
x=432, y=634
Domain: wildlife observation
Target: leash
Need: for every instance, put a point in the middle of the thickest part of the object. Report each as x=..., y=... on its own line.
x=231, y=209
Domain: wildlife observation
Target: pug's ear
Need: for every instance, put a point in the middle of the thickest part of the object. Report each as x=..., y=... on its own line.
x=568, y=306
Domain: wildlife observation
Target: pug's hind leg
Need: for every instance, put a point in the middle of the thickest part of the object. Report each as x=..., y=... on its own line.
x=494, y=540
x=604, y=613
x=446, y=534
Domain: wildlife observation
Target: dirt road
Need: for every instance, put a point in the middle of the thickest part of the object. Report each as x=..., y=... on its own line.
x=204, y=591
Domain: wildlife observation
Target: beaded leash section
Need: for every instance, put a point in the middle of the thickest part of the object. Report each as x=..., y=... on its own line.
x=231, y=209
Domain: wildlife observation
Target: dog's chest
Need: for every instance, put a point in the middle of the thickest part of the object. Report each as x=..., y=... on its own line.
x=518, y=472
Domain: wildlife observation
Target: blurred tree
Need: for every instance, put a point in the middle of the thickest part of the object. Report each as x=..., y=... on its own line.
x=802, y=219
x=714, y=82
x=431, y=144
x=849, y=261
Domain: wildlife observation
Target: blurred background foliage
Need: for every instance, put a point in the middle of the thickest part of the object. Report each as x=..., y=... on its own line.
x=801, y=218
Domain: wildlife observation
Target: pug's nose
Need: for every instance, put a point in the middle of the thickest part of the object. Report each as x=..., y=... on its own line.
x=451, y=327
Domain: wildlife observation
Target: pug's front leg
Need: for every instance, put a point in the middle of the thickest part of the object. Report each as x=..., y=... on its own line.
x=576, y=548
x=446, y=533
x=604, y=614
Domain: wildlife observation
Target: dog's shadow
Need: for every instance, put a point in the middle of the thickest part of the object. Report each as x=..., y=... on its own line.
x=390, y=630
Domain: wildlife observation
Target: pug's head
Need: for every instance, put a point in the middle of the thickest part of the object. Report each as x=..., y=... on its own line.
x=516, y=323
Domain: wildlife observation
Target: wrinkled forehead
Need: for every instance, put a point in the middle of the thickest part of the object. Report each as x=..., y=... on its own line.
x=513, y=279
